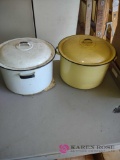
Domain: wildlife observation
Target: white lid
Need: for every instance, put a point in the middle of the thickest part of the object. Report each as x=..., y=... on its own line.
x=25, y=53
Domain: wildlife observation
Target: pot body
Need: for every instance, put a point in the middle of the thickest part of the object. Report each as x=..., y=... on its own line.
x=82, y=77
x=28, y=82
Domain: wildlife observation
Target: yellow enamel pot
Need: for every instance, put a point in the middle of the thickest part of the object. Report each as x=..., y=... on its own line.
x=84, y=60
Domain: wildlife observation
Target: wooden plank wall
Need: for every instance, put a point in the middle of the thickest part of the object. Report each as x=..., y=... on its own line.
x=82, y=20
x=116, y=40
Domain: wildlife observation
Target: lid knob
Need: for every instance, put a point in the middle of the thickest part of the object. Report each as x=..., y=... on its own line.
x=24, y=46
x=87, y=42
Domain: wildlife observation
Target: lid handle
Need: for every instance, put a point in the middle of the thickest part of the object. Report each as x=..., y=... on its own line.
x=87, y=42
x=24, y=46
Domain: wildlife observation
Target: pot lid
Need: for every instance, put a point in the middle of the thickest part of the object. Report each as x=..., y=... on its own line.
x=86, y=50
x=25, y=53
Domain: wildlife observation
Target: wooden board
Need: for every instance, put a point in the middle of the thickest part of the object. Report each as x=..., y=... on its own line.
x=114, y=155
x=102, y=17
x=115, y=9
x=87, y=157
x=88, y=17
x=116, y=38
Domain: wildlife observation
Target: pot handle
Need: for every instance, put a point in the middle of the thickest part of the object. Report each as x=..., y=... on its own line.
x=32, y=75
x=115, y=58
x=56, y=51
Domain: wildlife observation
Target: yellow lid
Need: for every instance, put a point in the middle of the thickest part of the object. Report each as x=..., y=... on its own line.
x=86, y=50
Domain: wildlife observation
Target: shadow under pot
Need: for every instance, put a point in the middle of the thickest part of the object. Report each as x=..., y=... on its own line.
x=27, y=65
x=84, y=60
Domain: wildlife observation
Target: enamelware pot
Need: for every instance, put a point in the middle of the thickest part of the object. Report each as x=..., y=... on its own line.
x=84, y=60
x=27, y=65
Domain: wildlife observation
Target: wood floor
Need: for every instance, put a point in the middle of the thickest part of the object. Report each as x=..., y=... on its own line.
x=113, y=155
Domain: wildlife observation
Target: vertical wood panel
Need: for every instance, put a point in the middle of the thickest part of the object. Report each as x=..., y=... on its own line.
x=88, y=17
x=102, y=17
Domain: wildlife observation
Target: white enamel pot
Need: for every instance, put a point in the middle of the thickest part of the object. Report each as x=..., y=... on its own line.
x=27, y=65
